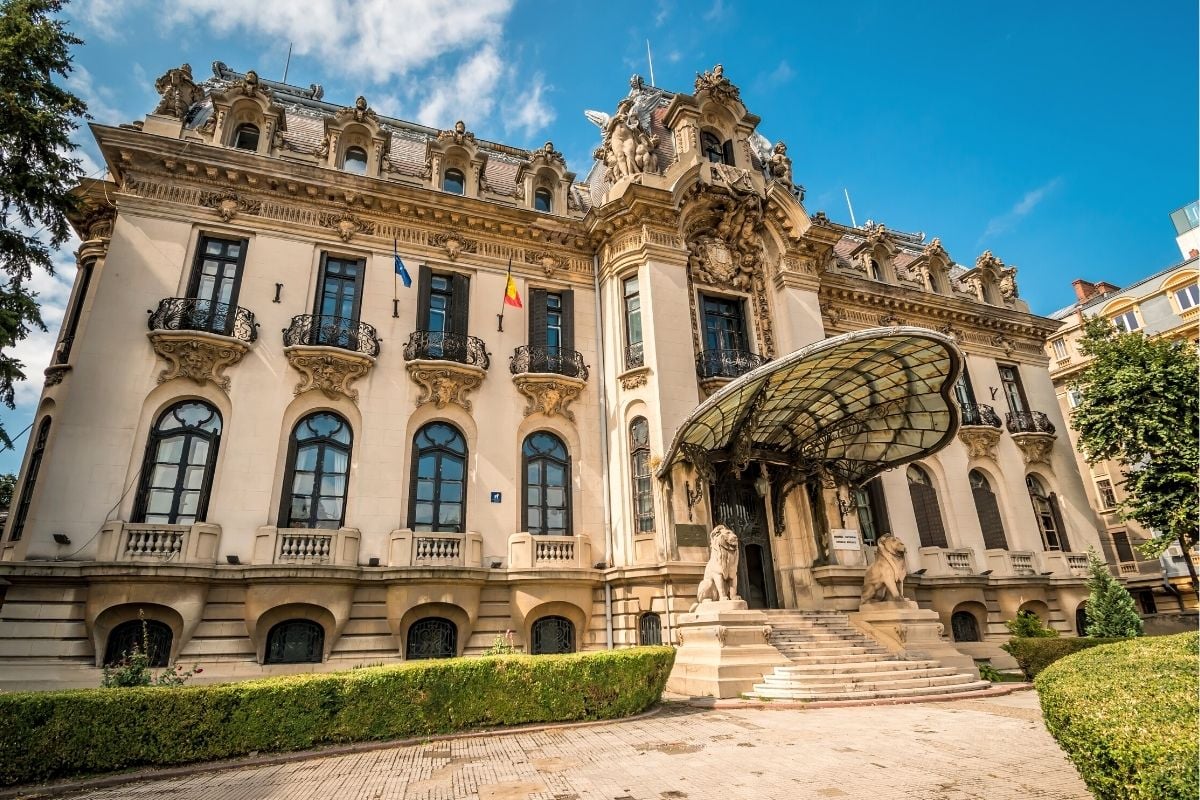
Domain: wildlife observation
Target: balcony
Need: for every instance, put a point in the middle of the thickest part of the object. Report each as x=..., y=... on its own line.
x=715, y=368
x=980, y=430
x=944, y=562
x=979, y=415
x=316, y=546
x=447, y=366
x=1033, y=432
x=527, y=551
x=441, y=346
x=156, y=543
x=437, y=549
x=199, y=339
x=528, y=359
x=331, y=353
x=550, y=378
x=1012, y=563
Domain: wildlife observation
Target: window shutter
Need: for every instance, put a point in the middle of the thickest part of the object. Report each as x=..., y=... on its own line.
x=879, y=506
x=727, y=151
x=568, y=323
x=460, y=304
x=424, y=281
x=537, y=318
x=989, y=519
x=929, y=518
x=1063, y=544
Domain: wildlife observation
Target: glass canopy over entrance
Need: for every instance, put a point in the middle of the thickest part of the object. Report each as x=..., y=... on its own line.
x=852, y=406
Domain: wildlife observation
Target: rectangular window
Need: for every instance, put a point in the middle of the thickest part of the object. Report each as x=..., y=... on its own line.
x=1188, y=297
x=634, y=356
x=62, y=353
x=1014, y=392
x=215, y=282
x=552, y=332
x=963, y=390
x=443, y=302
x=1121, y=545
x=724, y=324
x=1073, y=398
x=1127, y=321
x=1104, y=490
x=339, y=297
x=1060, y=348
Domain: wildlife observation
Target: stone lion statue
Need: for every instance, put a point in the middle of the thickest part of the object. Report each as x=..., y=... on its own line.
x=885, y=578
x=720, y=573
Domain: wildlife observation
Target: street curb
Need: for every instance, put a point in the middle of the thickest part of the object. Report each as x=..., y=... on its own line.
x=793, y=705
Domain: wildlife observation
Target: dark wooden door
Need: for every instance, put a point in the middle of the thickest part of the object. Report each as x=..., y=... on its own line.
x=737, y=506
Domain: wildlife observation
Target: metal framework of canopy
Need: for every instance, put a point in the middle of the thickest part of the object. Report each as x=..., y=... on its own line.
x=853, y=406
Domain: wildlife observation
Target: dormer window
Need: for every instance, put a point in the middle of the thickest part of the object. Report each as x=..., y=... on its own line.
x=355, y=161
x=542, y=201
x=876, y=271
x=246, y=137
x=1127, y=321
x=454, y=182
x=714, y=151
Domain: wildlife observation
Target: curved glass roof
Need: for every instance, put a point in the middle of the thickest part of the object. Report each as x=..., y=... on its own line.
x=853, y=405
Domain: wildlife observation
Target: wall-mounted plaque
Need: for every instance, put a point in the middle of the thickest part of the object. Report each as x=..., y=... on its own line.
x=844, y=539
x=691, y=535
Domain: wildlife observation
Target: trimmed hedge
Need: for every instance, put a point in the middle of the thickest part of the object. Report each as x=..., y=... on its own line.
x=50, y=734
x=1126, y=716
x=1035, y=654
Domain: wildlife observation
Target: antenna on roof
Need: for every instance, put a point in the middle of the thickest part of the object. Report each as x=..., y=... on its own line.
x=287, y=64
x=650, y=58
x=851, y=207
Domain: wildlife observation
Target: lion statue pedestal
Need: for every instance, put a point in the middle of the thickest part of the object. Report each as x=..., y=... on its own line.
x=724, y=646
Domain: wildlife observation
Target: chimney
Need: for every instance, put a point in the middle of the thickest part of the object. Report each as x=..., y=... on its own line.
x=1084, y=290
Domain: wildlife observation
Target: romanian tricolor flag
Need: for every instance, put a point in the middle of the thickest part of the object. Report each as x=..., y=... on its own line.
x=511, y=296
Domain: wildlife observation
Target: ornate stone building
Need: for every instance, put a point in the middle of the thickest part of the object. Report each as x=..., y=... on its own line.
x=256, y=438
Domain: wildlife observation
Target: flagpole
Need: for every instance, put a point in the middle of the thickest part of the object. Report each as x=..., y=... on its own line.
x=395, y=280
x=504, y=298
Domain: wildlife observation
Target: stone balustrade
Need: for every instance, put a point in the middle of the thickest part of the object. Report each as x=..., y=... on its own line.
x=409, y=548
x=157, y=543
x=529, y=551
x=333, y=547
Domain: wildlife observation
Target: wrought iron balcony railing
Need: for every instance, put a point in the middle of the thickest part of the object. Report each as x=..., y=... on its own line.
x=557, y=360
x=440, y=346
x=727, y=363
x=979, y=415
x=209, y=316
x=634, y=356
x=324, y=331
x=1029, y=422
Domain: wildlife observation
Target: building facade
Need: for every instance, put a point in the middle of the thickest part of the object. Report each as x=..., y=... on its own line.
x=1165, y=304
x=255, y=436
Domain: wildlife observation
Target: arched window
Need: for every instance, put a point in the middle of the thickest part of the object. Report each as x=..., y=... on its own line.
x=177, y=473
x=31, y=476
x=314, y=494
x=547, y=469
x=649, y=629
x=355, y=160
x=714, y=151
x=1049, y=517
x=295, y=641
x=437, y=494
x=128, y=637
x=988, y=511
x=643, y=491
x=543, y=201
x=876, y=271
x=964, y=626
x=246, y=137
x=1081, y=619
x=454, y=182
x=552, y=635
x=925, y=506
x=431, y=637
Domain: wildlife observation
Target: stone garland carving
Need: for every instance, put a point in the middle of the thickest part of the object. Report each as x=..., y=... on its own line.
x=981, y=440
x=228, y=204
x=443, y=385
x=346, y=225
x=549, y=262
x=633, y=380
x=177, y=92
x=548, y=396
x=718, y=87
x=332, y=373
x=196, y=357
x=453, y=244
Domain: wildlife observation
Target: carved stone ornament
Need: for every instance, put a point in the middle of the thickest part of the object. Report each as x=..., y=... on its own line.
x=934, y=250
x=227, y=204
x=346, y=225
x=549, y=262
x=635, y=378
x=251, y=86
x=55, y=374
x=331, y=370
x=549, y=395
x=727, y=249
x=459, y=135
x=1008, y=283
x=1004, y=343
x=627, y=148
x=446, y=383
x=890, y=320
x=361, y=111
x=717, y=86
x=981, y=440
x=779, y=165
x=885, y=577
x=1036, y=447
x=198, y=356
x=178, y=92
x=98, y=223
x=453, y=244
x=832, y=313
x=546, y=154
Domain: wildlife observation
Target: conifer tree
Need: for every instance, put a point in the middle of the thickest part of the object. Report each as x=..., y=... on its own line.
x=1111, y=612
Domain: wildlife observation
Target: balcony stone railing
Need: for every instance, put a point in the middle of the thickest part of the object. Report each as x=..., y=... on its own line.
x=727, y=363
x=207, y=316
x=528, y=359
x=529, y=551
x=1012, y=563
x=314, y=330
x=1077, y=563
x=1029, y=422
x=435, y=549
x=316, y=546
x=441, y=346
x=979, y=415
x=943, y=561
x=159, y=543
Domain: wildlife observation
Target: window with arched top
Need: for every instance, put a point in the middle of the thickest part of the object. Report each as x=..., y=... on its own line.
x=926, y=508
x=649, y=629
x=355, y=160
x=876, y=271
x=546, y=466
x=314, y=494
x=21, y=515
x=177, y=472
x=714, y=150
x=431, y=637
x=550, y=635
x=639, y=470
x=1048, y=514
x=295, y=641
x=1081, y=621
x=246, y=137
x=147, y=636
x=988, y=511
x=454, y=181
x=964, y=626
x=437, y=493
x=543, y=200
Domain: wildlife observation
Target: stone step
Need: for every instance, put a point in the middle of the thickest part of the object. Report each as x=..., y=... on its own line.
x=856, y=658
x=941, y=676
x=829, y=651
x=850, y=668
x=878, y=694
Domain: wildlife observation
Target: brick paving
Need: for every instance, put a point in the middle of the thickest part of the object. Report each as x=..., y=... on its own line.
x=994, y=748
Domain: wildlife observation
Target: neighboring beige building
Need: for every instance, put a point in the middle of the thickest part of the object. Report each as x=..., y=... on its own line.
x=301, y=464
x=1165, y=304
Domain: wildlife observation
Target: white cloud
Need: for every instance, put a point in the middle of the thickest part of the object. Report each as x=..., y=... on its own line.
x=469, y=95
x=53, y=291
x=101, y=16
x=1022, y=208
x=531, y=114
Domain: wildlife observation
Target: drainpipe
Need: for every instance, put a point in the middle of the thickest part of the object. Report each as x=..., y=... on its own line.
x=608, y=532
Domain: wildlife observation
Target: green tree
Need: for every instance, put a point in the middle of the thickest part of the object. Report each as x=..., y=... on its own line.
x=37, y=170
x=1138, y=407
x=8, y=483
x=1110, y=609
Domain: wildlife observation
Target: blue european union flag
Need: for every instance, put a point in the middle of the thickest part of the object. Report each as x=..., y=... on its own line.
x=400, y=269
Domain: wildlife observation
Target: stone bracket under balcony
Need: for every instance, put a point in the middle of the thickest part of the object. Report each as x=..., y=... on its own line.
x=529, y=551
x=157, y=543
x=1035, y=447
x=981, y=440
x=330, y=369
x=549, y=394
x=197, y=355
x=445, y=382
x=325, y=546
x=409, y=548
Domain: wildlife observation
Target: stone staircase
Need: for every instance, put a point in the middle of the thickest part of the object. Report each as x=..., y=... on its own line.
x=832, y=660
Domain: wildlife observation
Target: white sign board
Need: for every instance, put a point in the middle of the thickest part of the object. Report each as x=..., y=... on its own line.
x=845, y=539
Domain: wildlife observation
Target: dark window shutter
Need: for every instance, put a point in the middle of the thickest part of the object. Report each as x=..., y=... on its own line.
x=989, y=519
x=878, y=506
x=460, y=304
x=929, y=517
x=537, y=318
x=568, y=320
x=727, y=151
x=424, y=281
x=1063, y=544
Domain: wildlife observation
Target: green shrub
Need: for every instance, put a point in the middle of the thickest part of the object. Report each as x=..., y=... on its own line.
x=1027, y=625
x=1034, y=655
x=1126, y=716
x=48, y=734
x=1110, y=608
x=990, y=673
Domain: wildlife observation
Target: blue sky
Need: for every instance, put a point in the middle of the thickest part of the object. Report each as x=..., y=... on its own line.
x=1057, y=135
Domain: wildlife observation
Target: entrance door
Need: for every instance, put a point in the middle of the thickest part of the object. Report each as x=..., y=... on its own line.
x=737, y=506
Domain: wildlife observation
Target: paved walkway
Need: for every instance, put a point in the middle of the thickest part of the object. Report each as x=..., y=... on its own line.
x=994, y=748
